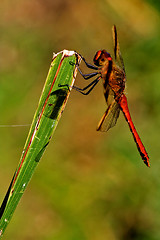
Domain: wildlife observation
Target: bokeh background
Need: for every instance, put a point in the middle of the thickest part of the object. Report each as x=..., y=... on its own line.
x=88, y=185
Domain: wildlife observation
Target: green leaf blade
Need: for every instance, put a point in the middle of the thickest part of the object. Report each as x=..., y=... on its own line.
x=51, y=105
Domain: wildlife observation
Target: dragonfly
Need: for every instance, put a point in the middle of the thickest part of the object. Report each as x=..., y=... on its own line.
x=113, y=76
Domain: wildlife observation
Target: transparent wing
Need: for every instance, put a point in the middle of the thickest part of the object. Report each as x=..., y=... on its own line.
x=109, y=118
x=117, y=53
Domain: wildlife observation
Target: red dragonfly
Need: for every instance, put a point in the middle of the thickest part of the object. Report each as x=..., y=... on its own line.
x=114, y=77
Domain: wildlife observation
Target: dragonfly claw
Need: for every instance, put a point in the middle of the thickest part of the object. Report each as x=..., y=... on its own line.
x=65, y=85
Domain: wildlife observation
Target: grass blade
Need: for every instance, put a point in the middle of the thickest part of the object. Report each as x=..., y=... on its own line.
x=48, y=113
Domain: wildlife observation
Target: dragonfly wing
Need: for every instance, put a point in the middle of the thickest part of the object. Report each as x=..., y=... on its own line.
x=117, y=53
x=109, y=118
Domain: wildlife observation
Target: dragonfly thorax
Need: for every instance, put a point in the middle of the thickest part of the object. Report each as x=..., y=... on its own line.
x=116, y=79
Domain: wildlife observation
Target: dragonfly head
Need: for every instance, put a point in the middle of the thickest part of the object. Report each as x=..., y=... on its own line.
x=101, y=57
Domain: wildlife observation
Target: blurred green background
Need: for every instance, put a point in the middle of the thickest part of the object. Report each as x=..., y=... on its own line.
x=88, y=185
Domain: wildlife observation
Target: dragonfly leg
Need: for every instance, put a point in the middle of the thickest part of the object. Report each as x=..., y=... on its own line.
x=81, y=90
x=90, y=86
x=88, y=64
x=88, y=75
x=65, y=85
